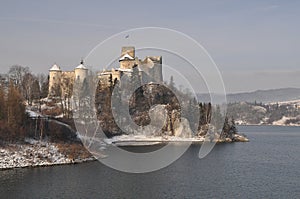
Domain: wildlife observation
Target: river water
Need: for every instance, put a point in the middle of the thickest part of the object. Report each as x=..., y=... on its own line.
x=266, y=167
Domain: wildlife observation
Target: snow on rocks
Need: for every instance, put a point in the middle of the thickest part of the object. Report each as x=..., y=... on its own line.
x=282, y=121
x=240, y=138
x=33, y=114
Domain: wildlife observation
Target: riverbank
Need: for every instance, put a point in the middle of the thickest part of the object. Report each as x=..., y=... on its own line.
x=284, y=125
x=34, y=154
x=143, y=140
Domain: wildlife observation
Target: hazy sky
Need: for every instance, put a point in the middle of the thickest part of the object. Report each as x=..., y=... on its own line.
x=256, y=44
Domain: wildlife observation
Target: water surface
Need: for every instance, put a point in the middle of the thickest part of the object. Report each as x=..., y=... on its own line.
x=266, y=167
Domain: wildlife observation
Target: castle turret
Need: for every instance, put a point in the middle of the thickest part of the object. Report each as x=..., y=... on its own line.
x=81, y=72
x=127, y=59
x=54, y=79
x=130, y=50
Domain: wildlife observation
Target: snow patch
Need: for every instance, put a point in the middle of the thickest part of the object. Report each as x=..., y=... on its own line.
x=259, y=109
x=33, y=114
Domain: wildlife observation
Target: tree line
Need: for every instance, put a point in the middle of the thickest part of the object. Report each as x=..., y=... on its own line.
x=19, y=88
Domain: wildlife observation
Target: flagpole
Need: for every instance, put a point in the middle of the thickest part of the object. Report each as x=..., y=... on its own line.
x=127, y=38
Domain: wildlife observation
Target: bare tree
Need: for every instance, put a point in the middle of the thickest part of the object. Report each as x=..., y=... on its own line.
x=26, y=87
x=16, y=73
x=44, y=85
x=67, y=92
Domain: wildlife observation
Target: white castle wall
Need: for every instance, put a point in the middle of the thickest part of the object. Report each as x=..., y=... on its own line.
x=54, y=80
x=81, y=74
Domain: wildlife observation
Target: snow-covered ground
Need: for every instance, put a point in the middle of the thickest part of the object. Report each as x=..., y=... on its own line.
x=33, y=114
x=284, y=119
x=130, y=140
x=241, y=122
x=141, y=137
x=33, y=154
x=281, y=122
x=259, y=109
x=293, y=102
x=37, y=153
x=137, y=140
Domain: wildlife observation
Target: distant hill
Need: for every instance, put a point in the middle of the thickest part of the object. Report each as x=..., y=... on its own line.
x=264, y=96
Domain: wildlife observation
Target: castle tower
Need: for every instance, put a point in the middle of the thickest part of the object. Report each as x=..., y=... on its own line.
x=81, y=72
x=130, y=50
x=54, y=79
x=127, y=59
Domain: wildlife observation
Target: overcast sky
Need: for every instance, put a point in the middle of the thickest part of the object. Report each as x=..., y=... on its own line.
x=256, y=44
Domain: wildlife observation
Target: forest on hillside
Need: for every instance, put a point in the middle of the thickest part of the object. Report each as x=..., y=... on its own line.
x=265, y=114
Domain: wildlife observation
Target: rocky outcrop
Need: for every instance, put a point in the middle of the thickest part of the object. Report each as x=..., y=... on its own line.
x=240, y=138
x=235, y=138
x=182, y=128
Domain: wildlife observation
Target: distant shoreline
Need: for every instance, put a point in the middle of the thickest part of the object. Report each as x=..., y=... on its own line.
x=268, y=125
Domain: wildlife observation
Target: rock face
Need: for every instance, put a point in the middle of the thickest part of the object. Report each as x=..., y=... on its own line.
x=235, y=138
x=240, y=138
x=158, y=116
x=182, y=128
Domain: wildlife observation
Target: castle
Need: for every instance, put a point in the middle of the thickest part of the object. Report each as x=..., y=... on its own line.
x=60, y=81
x=149, y=70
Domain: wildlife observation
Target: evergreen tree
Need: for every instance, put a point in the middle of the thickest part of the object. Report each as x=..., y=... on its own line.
x=217, y=117
x=226, y=129
x=171, y=83
x=233, y=129
x=208, y=112
x=111, y=82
